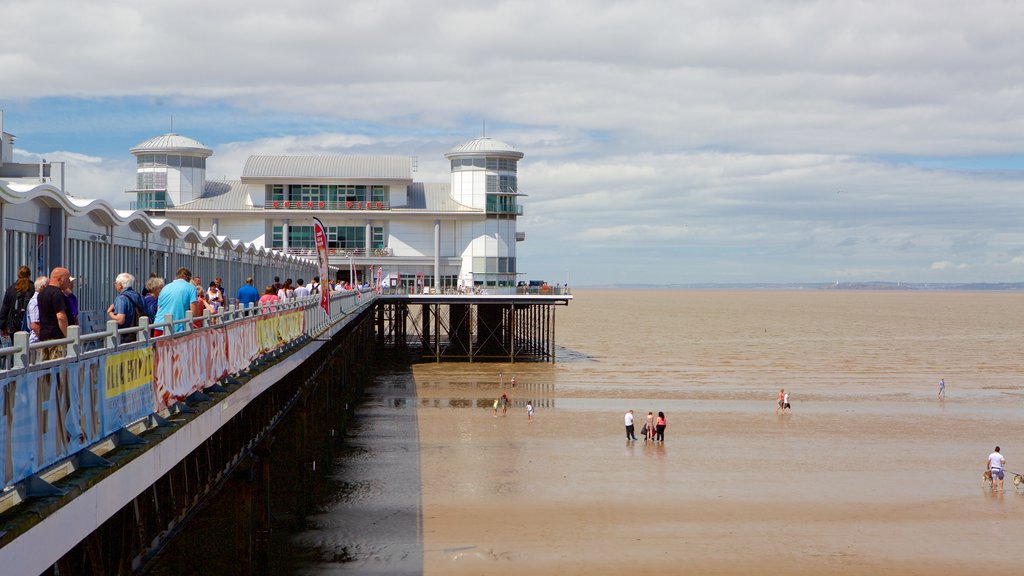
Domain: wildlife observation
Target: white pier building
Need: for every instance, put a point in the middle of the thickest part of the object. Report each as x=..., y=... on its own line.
x=416, y=235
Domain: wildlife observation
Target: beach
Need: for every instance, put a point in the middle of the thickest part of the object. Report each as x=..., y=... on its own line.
x=870, y=474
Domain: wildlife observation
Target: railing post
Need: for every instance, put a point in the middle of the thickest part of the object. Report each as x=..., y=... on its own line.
x=75, y=334
x=144, y=335
x=188, y=323
x=21, y=358
x=111, y=341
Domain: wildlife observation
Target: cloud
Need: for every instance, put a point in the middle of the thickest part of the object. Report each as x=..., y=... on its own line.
x=773, y=141
x=947, y=266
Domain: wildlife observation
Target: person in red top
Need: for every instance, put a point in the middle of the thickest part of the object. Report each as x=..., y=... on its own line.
x=659, y=428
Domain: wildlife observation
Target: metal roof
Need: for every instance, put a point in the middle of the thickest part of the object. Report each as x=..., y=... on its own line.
x=484, y=145
x=219, y=195
x=172, y=142
x=433, y=197
x=335, y=167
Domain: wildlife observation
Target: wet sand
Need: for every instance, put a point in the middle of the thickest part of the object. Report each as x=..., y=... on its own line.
x=839, y=487
x=870, y=475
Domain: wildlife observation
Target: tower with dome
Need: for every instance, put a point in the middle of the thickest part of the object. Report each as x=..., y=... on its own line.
x=171, y=170
x=414, y=236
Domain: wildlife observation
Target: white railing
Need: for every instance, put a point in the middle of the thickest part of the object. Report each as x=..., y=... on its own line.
x=102, y=385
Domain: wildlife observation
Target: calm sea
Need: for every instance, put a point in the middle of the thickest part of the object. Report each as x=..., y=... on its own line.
x=723, y=355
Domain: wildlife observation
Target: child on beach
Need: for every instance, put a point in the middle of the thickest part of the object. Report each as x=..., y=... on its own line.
x=785, y=403
x=496, y=407
x=529, y=411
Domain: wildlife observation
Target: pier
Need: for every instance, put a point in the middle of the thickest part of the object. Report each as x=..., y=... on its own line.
x=107, y=452
x=474, y=327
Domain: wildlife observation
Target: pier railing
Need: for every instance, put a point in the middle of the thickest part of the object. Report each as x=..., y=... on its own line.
x=60, y=410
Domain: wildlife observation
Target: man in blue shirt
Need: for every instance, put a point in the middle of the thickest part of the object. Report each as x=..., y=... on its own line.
x=248, y=295
x=176, y=299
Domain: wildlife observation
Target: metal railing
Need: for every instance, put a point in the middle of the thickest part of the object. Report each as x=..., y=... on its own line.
x=26, y=370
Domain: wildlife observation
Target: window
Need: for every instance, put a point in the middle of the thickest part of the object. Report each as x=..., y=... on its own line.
x=501, y=184
x=151, y=180
x=378, y=237
x=379, y=194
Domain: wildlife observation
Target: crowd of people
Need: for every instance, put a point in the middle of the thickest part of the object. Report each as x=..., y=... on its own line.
x=46, y=306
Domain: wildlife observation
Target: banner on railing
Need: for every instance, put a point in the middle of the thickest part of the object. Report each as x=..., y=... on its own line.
x=48, y=416
x=187, y=364
x=276, y=329
x=128, y=388
x=320, y=236
x=243, y=344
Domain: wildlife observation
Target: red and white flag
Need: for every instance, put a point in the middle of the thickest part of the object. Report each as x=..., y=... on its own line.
x=320, y=235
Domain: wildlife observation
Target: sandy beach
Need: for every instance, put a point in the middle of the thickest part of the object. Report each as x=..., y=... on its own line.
x=841, y=487
x=870, y=475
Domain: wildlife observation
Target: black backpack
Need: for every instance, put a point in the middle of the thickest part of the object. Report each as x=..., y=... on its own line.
x=16, y=317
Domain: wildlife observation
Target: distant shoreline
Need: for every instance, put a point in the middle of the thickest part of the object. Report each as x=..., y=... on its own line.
x=851, y=286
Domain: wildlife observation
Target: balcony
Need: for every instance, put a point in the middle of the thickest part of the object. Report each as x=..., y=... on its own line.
x=325, y=205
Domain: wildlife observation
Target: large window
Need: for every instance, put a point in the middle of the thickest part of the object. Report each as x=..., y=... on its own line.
x=338, y=237
x=491, y=164
x=503, y=204
x=174, y=160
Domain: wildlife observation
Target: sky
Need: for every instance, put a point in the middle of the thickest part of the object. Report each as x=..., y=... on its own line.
x=672, y=142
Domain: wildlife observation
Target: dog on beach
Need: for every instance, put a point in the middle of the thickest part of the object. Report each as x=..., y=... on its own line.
x=986, y=478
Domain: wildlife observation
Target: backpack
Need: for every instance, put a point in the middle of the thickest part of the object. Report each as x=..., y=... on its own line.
x=132, y=320
x=16, y=317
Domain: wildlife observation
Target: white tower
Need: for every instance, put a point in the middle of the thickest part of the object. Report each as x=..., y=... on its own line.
x=171, y=171
x=484, y=176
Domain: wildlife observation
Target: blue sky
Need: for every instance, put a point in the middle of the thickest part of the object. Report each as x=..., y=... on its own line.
x=683, y=142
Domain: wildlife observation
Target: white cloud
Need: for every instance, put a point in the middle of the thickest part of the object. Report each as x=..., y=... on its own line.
x=775, y=140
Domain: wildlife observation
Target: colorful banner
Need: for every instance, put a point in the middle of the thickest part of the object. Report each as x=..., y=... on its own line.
x=187, y=364
x=274, y=330
x=128, y=388
x=320, y=236
x=49, y=415
x=242, y=344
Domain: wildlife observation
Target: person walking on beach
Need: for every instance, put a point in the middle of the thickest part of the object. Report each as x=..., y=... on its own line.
x=649, y=427
x=659, y=428
x=630, y=435
x=942, y=388
x=782, y=397
x=785, y=403
x=996, y=463
x=496, y=400
x=504, y=403
x=529, y=411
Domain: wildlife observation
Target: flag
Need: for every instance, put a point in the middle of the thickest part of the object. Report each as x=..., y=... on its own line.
x=321, y=253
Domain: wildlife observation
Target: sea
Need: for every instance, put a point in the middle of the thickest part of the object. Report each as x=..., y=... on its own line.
x=872, y=471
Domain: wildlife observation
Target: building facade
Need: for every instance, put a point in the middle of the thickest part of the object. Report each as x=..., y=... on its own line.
x=457, y=235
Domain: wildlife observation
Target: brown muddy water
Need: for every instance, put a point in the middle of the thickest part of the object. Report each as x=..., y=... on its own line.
x=871, y=473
